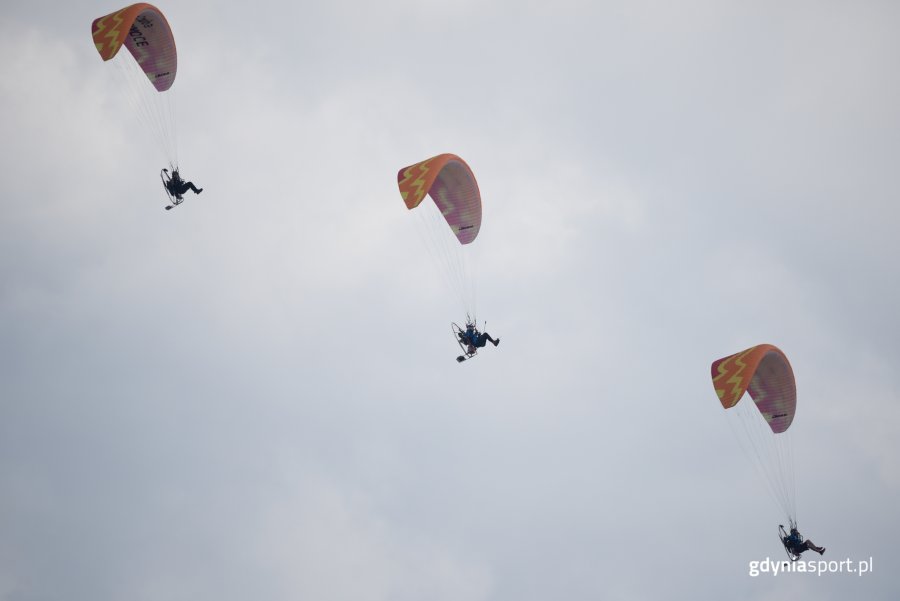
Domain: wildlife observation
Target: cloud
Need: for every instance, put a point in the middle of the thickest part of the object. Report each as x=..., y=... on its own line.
x=255, y=395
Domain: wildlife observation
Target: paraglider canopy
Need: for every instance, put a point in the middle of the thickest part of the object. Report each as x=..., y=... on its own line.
x=766, y=373
x=144, y=30
x=451, y=184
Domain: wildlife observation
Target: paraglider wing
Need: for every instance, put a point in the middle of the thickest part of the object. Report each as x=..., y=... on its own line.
x=765, y=372
x=144, y=30
x=452, y=186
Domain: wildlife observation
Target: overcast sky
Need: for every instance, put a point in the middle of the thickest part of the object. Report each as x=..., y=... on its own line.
x=254, y=396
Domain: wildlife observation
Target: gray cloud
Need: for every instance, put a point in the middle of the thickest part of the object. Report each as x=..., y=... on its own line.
x=255, y=395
